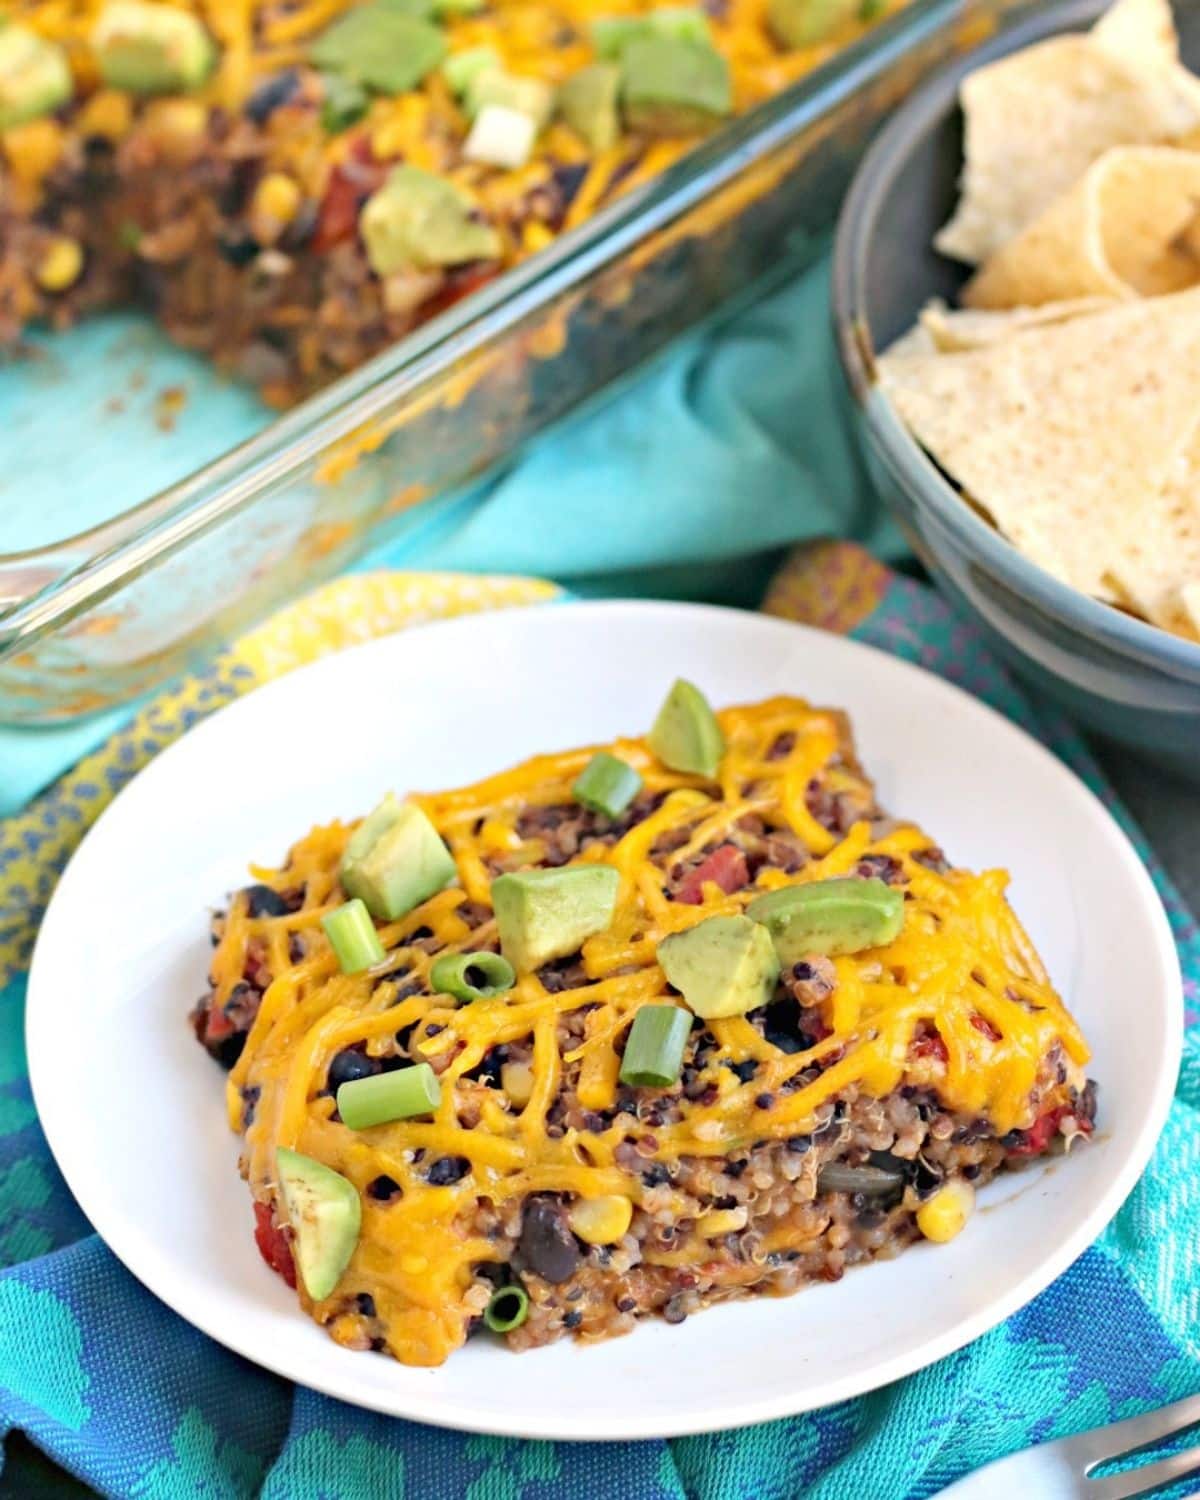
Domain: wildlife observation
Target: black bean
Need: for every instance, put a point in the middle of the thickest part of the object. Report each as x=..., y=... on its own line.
x=799, y=1144
x=383, y=1188
x=547, y=1245
x=782, y=1025
x=675, y=1310
x=743, y=1071
x=366, y=1304
x=569, y=179
x=237, y=246
x=447, y=1170
x=301, y=229
x=573, y=1318
x=803, y=970
x=764, y=1100
x=262, y=901
x=488, y=1070
x=349, y=1065
x=270, y=94
x=924, y=1179
x=656, y=1175
x=625, y=1304
x=228, y=1049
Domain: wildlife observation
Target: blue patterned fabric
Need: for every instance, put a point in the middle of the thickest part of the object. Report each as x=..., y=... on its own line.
x=126, y=1395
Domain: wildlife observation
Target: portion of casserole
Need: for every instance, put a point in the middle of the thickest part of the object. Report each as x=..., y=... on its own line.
x=626, y=1031
x=291, y=187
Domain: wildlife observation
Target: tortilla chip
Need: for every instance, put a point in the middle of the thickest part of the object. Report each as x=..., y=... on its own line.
x=1036, y=120
x=1064, y=434
x=1158, y=574
x=1121, y=232
x=953, y=331
x=1189, y=610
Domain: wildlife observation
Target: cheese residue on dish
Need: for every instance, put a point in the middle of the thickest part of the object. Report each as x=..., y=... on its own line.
x=962, y=967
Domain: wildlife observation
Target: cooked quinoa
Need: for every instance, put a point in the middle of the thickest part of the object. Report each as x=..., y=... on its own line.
x=851, y=1111
x=232, y=198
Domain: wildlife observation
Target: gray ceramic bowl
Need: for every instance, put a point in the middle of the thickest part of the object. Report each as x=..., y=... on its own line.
x=1127, y=679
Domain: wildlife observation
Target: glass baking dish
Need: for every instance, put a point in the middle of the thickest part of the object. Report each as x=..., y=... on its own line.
x=101, y=616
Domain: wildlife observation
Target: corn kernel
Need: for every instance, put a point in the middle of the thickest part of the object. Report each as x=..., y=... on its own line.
x=276, y=203
x=177, y=127
x=516, y=1078
x=600, y=1221
x=536, y=236
x=721, y=1221
x=61, y=265
x=108, y=113
x=33, y=149
x=945, y=1214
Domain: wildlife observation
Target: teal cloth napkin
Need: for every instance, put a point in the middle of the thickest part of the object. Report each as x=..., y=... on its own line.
x=735, y=444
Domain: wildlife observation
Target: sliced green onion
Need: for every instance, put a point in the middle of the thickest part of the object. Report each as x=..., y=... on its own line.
x=654, y=1050
x=472, y=976
x=508, y=1308
x=343, y=104
x=354, y=938
x=607, y=785
x=401, y=1095
x=461, y=68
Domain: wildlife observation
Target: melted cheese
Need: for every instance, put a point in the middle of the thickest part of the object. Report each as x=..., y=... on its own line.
x=962, y=956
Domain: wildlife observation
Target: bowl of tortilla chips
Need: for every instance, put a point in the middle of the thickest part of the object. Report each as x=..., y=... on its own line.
x=1017, y=295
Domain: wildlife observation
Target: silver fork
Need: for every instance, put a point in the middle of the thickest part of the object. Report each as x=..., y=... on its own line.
x=1061, y=1470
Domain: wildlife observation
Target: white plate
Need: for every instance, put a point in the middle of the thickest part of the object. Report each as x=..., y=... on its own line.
x=134, y=1110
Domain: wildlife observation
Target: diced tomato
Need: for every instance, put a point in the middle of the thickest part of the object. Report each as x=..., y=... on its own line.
x=930, y=1045
x=350, y=184
x=1040, y=1134
x=218, y=1025
x=982, y=1024
x=273, y=1244
x=460, y=283
x=725, y=867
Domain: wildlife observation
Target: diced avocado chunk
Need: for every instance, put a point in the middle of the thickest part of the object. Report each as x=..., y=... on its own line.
x=35, y=76
x=612, y=34
x=344, y=103
x=395, y=861
x=325, y=1214
x=673, y=87
x=460, y=68
x=588, y=103
x=803, y=23
x=545, y=914
x=724, y=966
x=418, y=219
x=527, y=96
x=371, y=829
x=686, y=735
x=380, y=46
x=151, y=49
x=829, y=916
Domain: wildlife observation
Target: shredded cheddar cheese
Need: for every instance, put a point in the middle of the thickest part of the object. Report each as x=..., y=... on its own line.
x=962, y=967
